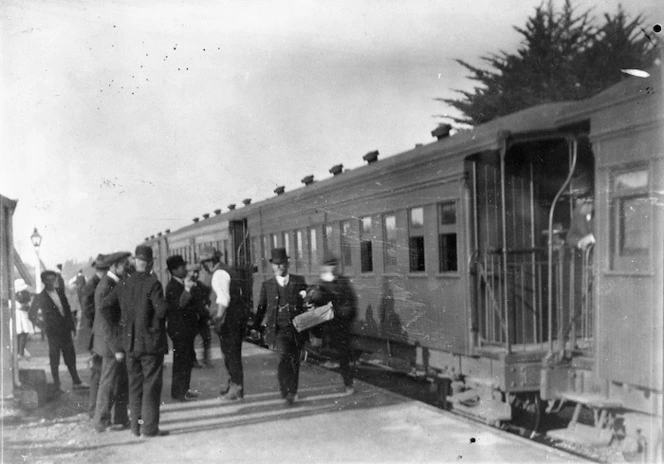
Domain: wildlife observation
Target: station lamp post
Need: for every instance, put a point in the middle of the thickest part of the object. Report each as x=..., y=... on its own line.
x=36, y=242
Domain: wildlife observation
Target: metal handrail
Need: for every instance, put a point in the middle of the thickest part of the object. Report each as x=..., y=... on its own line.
x=574, y=149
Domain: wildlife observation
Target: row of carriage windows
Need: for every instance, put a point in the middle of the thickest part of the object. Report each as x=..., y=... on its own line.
x=343, y=238
x=631, y=226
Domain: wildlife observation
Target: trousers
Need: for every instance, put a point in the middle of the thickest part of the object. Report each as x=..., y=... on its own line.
x=145, y=373
x=64, y=345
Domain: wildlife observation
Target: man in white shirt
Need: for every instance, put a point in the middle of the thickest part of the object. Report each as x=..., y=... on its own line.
x=230, y=319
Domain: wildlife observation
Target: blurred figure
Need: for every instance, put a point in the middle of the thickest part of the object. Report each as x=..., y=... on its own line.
x=229, y=316
x=143, y=311
x=87, y=327
x=60, y=282
x=24, y=326
x=75, y=287
x=181, y=323
x=200, y=299
x=279, y=302
x=113, y=387
x=59, y=327
x=338, y=289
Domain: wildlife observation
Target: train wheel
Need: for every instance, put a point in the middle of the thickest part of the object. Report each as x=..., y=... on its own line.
x=527, y=413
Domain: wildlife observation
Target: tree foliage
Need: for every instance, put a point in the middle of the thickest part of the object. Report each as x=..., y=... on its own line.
x=563, y=56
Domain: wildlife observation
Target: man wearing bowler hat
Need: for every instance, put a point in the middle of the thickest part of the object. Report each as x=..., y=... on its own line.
x=230, y=319
x=59, y=327
x=279, y=302
x=113, y=384
x=182, y=322
x=143, y=311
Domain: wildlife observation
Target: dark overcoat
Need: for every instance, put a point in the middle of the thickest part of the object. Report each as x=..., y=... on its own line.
x=106, y=326
x=143, y=311
x=268, y=306
x=55, y=324
x=181, y=317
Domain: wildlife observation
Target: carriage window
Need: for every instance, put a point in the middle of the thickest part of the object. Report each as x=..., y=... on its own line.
x=312, y=248
x=447, y=238
x=286, y=241
x=416, y=239
x=328, y=240
x=297, y=248
x=275, y=241
x=346, y=252
x=254, y=250
x=266, y=253
x=390, y=242
x=366, y=249
x=225, y=251
x=631, y=221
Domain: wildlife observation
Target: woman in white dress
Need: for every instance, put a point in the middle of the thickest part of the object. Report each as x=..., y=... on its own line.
x=24, y=326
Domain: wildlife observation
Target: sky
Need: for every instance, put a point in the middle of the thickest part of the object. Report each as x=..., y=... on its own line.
x=120, y=119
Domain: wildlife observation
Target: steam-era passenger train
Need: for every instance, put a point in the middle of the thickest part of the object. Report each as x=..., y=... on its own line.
x=518, y=264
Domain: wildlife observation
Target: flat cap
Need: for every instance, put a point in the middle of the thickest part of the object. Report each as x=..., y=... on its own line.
x=207, y=253
x=100, y=262
x=116, y=257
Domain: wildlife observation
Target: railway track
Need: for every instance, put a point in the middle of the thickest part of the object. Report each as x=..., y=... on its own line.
x=422, y=389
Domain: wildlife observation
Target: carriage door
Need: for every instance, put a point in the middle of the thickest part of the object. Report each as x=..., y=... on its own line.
x=513, y=195
x=239, y=235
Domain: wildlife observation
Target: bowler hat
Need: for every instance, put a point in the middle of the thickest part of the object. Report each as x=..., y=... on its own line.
x=144, y=253
x=207, y=253
x=116, y=257
x=45, y=274
x=279, y=256
x=175, y=262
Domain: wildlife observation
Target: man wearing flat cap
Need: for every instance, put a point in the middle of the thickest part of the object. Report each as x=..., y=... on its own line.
x=86, y=333
x=181, y=323
x=59, y=327
x=142, y=321
x=111, y=403
x=230, y=319
x=279, y=302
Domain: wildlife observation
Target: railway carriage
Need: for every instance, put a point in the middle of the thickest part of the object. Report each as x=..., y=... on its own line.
x=518, y=264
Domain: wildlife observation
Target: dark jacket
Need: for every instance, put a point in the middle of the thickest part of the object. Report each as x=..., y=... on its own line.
x=181, y=317
x=143, y=311
x=268, y=306
x=55, y=324
x=88, y=300
x=106, y=327
x=344, y=303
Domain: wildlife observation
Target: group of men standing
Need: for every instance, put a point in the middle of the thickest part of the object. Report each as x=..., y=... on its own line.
x=130, y=315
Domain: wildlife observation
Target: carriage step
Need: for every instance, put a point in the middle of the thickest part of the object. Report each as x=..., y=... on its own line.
x=490, y=410
x=582, y=434
x=592, y=400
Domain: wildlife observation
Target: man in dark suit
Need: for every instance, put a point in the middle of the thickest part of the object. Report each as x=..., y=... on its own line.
x=229, y=316
x=181, y=323
x=86, y=333
x=142, y=322
x=59, y=327
x=113, y=384
x=279, y=302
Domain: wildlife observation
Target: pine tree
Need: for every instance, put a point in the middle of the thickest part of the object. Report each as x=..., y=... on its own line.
x=563, y=56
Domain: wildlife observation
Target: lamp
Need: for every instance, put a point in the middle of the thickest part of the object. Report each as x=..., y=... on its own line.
x=36, y=240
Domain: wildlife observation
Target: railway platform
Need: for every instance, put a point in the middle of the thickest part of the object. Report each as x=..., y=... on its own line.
x=324, y=425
